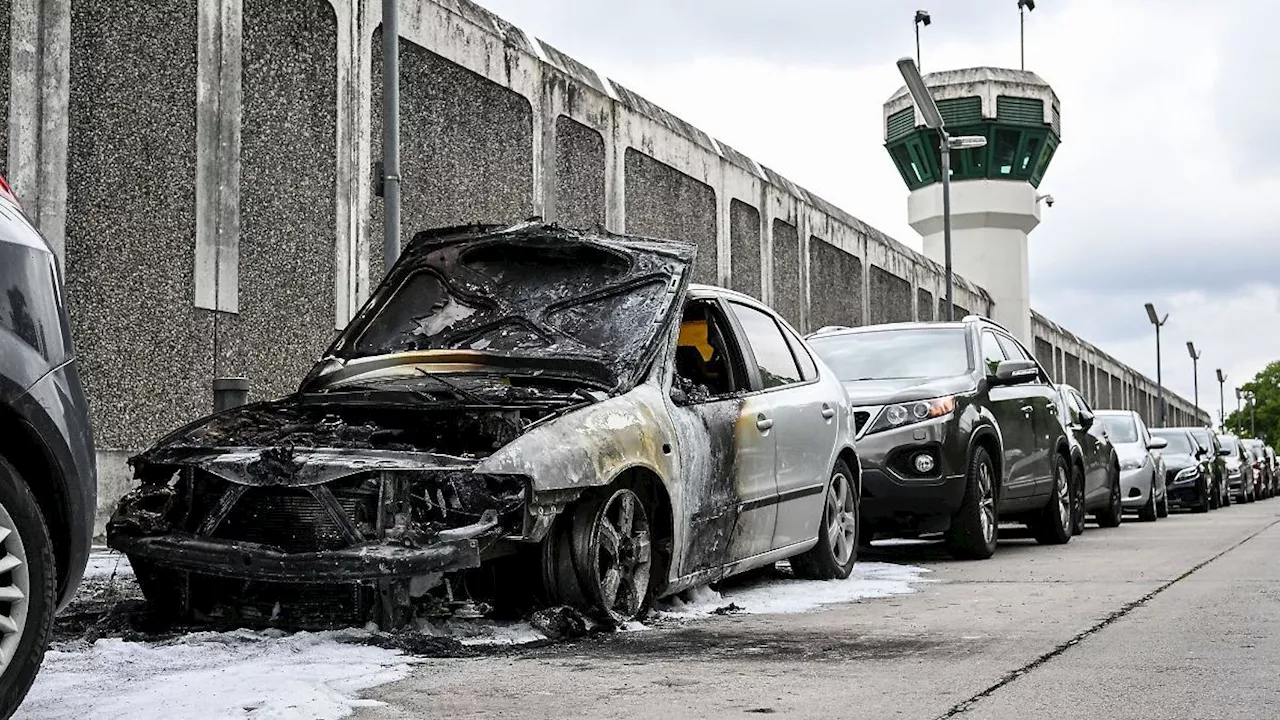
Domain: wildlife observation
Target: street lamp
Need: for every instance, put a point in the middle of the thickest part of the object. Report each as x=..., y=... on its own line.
x=1158, y=322
x=922, y=18
x=1195, y=371
x=1024, y=6
x=1222, y=406
x=1253, y=425
x=946, y=143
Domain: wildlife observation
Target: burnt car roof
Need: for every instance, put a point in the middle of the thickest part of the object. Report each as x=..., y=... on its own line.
x=532, y=292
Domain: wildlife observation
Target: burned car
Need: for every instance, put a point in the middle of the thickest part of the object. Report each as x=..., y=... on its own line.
x=561, y=408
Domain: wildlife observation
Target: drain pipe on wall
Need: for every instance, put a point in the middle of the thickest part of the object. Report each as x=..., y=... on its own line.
x=390, y=133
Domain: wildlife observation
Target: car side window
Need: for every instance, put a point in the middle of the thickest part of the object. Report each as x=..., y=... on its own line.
x=1073, y=407
x=808, y=368
x=992, y=353
x=707, y=364
x=1012, y=349
x=773, y=354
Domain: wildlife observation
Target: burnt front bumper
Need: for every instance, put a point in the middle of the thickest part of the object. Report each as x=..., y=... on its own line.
x=253, y=561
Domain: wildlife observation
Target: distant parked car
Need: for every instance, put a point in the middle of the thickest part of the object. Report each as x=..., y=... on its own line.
x=527, y=398
x=1239, y=468
x=1217, y=461
x=48, y=482
x=1094, y=463
x=1142, y=473
x=958, y=429
x=1188, y=476
x=1262, y=476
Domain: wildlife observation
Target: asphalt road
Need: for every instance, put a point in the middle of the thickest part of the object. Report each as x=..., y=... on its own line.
x=1176, y=619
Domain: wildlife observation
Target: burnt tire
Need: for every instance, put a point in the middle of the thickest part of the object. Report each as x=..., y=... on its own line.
x=1114, y=514
x=28, y=587
x=599, y=555
x=1053, y=525
x=1077, y=500
x=974, y=529
x=838, y=531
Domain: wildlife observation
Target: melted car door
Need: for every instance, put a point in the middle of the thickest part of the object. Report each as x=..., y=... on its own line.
x=726, y=445
x=804, y=422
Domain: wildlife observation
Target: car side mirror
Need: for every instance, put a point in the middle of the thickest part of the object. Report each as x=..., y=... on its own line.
x=1086, y=419
x=1157, y=443
x=1014, y=372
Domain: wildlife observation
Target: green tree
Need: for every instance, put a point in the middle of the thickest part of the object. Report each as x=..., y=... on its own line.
x=1265, y=387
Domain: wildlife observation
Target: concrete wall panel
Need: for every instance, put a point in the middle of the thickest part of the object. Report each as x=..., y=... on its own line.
x=744, y=249
x=666, y=203
x=890, y=297
x=580, y=173
x=924, y=306
x=786, y=271
x=839, y=274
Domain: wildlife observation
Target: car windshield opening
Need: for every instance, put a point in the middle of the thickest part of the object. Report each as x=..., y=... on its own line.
x=1179, y=443
x=1228, y=443
x=1120, y=428
x=893, y=354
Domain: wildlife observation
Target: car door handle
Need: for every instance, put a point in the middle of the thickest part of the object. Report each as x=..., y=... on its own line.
x=1028, y=409
x=763, y=423
x=828, y=412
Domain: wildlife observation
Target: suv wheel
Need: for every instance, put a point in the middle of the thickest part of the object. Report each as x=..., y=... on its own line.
x=1077, y=500
x=1053, y=527
x=833, y=557
x=27, y=593
x=974, y=528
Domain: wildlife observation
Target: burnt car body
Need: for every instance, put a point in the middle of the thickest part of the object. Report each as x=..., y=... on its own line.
x=564, y=403
x=1095, y=465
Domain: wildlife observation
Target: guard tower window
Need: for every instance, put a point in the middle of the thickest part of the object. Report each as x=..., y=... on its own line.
x=1004, y=151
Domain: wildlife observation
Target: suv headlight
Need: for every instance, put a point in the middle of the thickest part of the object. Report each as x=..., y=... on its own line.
x=895, y=416
x=1132, y=464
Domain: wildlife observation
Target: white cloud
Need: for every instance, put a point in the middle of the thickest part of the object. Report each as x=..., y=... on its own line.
x=1164, y=182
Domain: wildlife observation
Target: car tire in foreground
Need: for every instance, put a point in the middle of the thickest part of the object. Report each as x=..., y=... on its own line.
x=1207, y=504
x=837, y=549
x=602, y=555
x=1114, y=514
x=1162, y=507
x=1053, y=526
x=27, y=589
x=974, y=528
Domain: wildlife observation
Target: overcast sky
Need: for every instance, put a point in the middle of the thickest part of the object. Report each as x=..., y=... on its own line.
x=1165, y=184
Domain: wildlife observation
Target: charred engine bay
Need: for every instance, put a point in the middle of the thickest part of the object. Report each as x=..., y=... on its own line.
x=294, y=422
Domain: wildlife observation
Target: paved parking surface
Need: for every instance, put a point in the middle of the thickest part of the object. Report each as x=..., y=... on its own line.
x=1176, y=619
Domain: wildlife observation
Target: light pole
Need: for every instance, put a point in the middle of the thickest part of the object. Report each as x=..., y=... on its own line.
x=933, y=120
x=922, y=18
x=1253, y=425
x=1158, y=322
x=1222, y=405
x=390, y=133
x=1195, y=371
x=1024, y=6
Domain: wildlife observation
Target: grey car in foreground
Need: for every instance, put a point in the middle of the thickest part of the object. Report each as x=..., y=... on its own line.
x=1240, y=476
x=48, y=483
x=521, y=406
x=1142, y=474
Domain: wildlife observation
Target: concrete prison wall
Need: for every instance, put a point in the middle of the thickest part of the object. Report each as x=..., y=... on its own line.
x=204, y=169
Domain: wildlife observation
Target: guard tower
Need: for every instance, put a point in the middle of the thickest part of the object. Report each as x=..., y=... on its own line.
x=994, y=199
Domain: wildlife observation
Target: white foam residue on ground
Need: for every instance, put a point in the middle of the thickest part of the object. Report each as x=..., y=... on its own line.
x=105, y=563
x=212, y=675
x=868, y=580
x=483, y=632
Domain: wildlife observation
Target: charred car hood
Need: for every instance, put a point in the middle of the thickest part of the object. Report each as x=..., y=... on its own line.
x=896, y=390
x=596, y=304
x=296, y=441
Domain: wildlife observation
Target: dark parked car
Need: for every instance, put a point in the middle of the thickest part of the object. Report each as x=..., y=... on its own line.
x=1217, y=461
x=1095, y=467
x=957, y=429
x=516, y=406
x=1188, y=475
x=1262, y=476
x=48, y=483
x=1240, y=475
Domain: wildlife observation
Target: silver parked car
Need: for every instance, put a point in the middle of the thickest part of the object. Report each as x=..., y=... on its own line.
x=1142, y=471
x=533, y=401
x=1240, y=475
